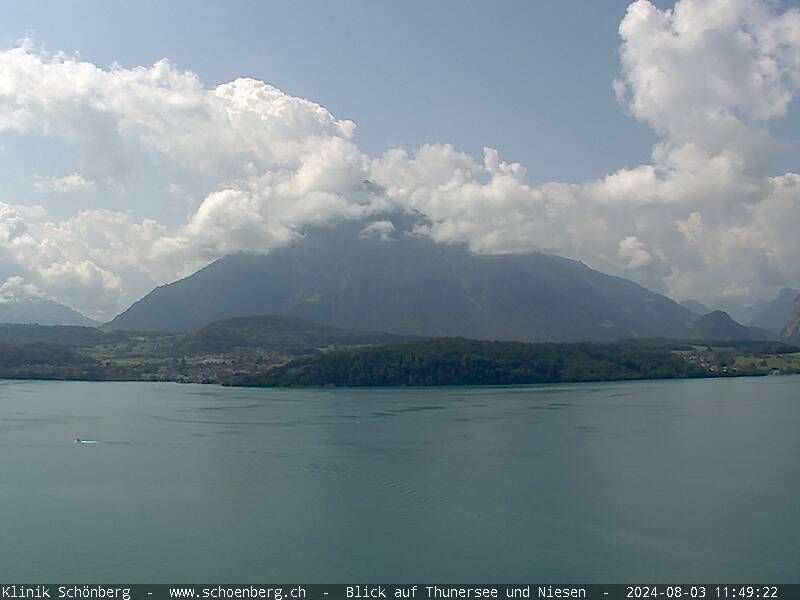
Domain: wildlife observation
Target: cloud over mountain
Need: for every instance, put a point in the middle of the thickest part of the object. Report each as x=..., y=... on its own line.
x=706, y=217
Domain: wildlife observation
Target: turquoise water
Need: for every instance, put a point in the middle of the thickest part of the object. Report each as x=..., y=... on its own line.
x=666, y=481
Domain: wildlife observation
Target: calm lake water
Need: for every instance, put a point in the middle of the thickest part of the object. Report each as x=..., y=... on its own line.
x=680, y=481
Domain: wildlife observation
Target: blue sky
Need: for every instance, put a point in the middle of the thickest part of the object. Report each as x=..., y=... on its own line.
x=532, y=79
x=681, y=178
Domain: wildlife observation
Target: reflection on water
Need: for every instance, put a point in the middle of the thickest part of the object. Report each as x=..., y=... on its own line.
x=648, y=481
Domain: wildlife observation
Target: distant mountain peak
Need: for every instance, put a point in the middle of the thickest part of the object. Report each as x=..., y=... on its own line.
x=42, y=312
x=776, y=314
x=720, y=326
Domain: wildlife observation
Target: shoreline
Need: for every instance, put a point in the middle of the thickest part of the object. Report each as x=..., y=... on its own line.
x=391, y=386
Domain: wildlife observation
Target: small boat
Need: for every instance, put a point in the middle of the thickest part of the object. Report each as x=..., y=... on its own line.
x=80, y=441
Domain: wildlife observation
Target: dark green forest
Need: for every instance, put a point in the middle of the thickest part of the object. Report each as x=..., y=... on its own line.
x=458, y=361
x=39, y=353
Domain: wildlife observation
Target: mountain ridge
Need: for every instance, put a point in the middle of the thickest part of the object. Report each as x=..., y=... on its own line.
x=42, y=312
x=276, y=332
x=412, y=286
x=791, y=332
x=696, y=307
x=720, y=326
x=778, y=312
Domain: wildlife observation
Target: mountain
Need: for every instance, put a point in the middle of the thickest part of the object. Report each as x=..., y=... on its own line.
x=41, y=311
x=719, y=325
x=288, y=335
x=696, y=307
x=771, y=316
x=777, y=313
x=791, y=332
x=408, y=284
x=739, y=312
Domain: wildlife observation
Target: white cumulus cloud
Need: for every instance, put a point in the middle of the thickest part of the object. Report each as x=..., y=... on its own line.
x=16, y=288
x=706, y=217
x=380, y=230
x=74, y=182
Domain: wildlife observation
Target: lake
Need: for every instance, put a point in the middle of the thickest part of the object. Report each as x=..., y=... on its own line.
x=657, y=481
